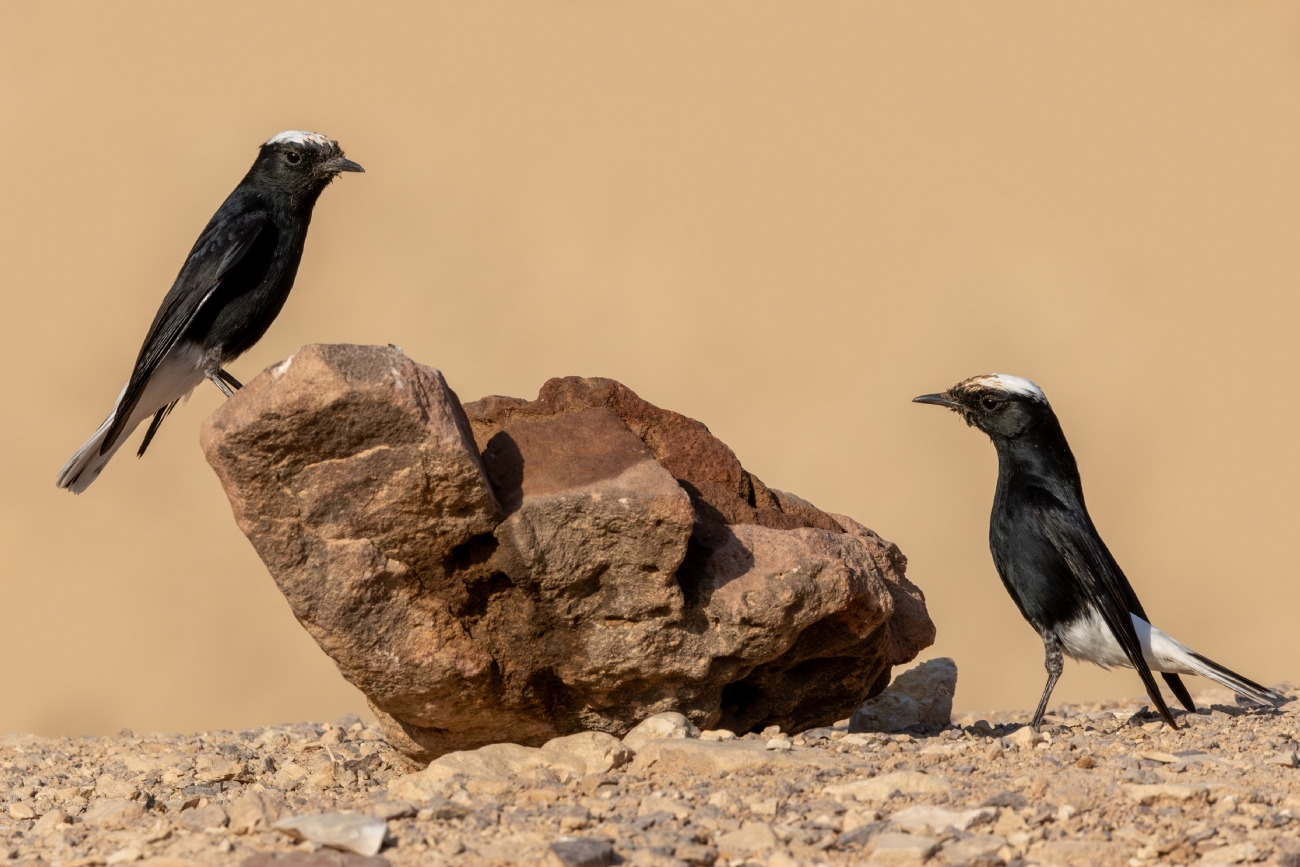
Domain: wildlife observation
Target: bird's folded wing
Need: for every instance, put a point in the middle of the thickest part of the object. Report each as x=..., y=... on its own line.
x=1102, y=580
x=222, y=244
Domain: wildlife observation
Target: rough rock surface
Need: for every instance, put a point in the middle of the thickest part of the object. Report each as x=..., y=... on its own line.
x=1105, y=786
x=922, y=695
x=520, y=570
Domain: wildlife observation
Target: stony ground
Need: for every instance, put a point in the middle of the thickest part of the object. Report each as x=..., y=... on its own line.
x=1105, y=785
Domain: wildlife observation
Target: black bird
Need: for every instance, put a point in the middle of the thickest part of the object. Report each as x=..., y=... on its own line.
x=1051, y=558
x=228, y=292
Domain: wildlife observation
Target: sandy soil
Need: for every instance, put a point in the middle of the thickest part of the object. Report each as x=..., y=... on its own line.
x=1106, y=785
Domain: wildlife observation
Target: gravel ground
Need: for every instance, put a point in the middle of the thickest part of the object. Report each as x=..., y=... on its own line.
x=1107, y=784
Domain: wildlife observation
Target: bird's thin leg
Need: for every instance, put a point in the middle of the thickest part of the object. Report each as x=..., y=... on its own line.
x=229, y=380
x=214, y=374
x=1054, y=664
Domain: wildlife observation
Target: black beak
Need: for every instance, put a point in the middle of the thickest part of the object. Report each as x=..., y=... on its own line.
x=937, y=400
x=341, y=164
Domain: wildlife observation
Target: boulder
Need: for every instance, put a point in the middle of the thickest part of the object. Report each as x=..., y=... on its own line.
x=513, y=570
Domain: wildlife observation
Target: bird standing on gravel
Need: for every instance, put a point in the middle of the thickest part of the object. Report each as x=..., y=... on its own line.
x=228, y=292
x=1051, y=558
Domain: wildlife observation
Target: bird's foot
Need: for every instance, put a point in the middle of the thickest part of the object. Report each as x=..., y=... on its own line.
x=229, y=380
x=215, y=377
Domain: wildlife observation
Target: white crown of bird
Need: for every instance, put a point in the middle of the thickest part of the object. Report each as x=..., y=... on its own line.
x=298, y=136
x=1009, y=384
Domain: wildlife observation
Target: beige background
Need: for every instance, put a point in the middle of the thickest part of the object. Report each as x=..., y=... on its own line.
x=784, y=219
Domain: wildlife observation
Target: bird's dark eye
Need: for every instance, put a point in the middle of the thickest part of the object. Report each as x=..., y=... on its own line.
x=293, y=158
x=989, y=403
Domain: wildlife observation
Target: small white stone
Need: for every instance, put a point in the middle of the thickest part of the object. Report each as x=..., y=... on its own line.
x=754, y=837
x=1149, y=794
x=717, y=735
x=109, y=787
x=891, y=848
x=1286, y=760
x=920, y=818
x=664, y=726
x=880, y=788
x=1025, y=738
x=1156, y=756
x=779, y=744
x=858, y=818
x=51, y=820
x=724, y=800
x=1236, y=853
x=360, y=834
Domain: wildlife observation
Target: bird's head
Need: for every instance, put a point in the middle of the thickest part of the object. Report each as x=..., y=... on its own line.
x=1004, y=407
x=300, y=162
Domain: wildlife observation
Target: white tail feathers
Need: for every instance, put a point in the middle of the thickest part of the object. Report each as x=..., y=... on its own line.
x=1089, y=639
x=84, y=467
x=174, y=379
x=1208, y=668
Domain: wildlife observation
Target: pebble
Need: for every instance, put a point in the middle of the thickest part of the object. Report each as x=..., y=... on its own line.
x=582, y=852
x=1236, y=853
x=1025, y=738
x=660, y=726
x=883, y=787
x=934, y=819
x=754, y=837
x=1149, y=794
x=1156, y=756
x=1286, y=760
x=902, y=849
x=351, y=833
x=211, y=816
x=49, y=822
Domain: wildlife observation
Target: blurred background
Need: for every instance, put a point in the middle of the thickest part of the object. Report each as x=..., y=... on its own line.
x=783, y=219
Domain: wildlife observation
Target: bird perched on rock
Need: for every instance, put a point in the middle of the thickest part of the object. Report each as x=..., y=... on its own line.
x=229, y=291
x=1051, y=558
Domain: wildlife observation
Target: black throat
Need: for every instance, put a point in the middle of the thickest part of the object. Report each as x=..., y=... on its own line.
x=1039, y=457
x=1036, y=469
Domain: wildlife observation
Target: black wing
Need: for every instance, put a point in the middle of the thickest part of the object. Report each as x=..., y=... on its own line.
x=223, y=243
x=1104, y=583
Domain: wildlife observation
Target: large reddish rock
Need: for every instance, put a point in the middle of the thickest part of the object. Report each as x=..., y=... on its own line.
x=517, y=570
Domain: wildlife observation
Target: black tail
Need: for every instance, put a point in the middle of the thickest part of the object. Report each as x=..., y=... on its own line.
x=1237, y=683
x=1179, y=689
x=154, y=425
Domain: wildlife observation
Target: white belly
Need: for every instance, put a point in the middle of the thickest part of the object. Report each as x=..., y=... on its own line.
x=1089, y=639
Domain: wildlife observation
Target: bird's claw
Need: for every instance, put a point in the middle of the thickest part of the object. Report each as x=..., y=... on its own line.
x=223, y=381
